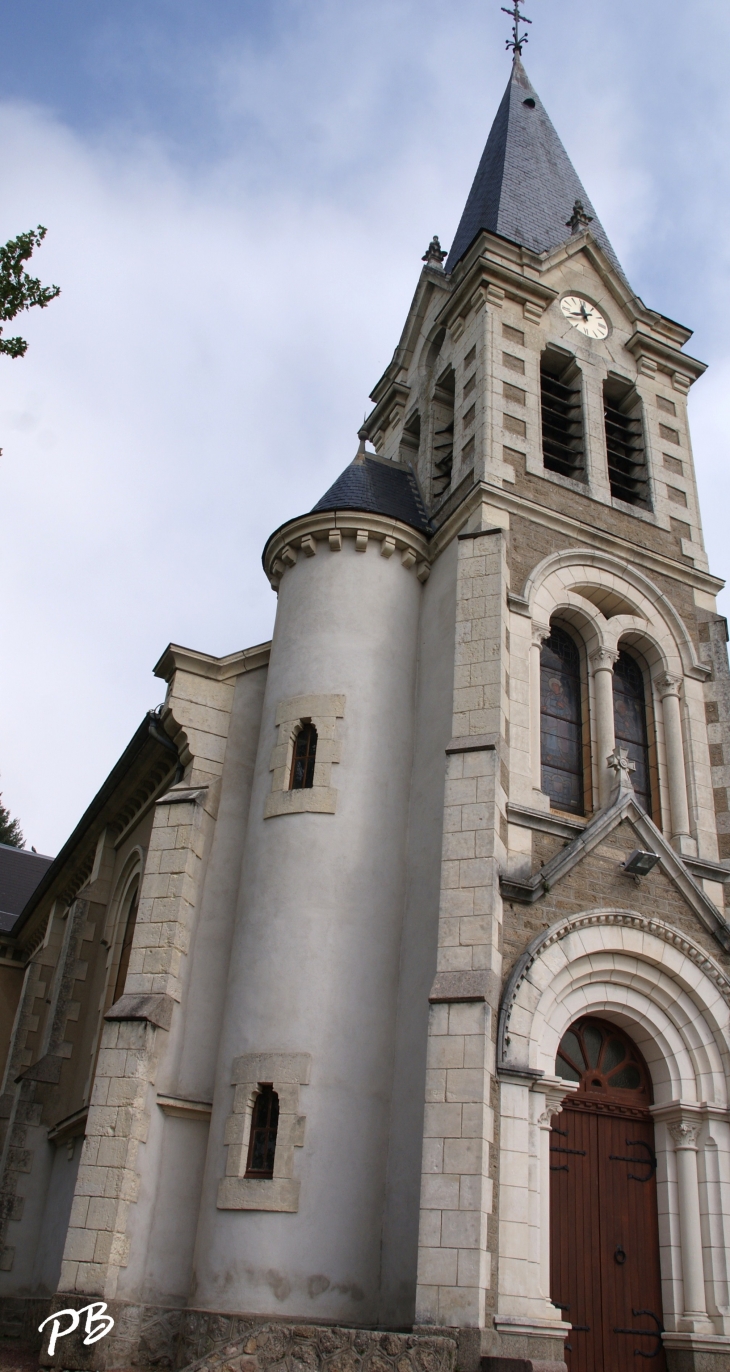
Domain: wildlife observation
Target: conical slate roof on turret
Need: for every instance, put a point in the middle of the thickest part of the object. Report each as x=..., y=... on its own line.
x=526, y=187
x=378, y=487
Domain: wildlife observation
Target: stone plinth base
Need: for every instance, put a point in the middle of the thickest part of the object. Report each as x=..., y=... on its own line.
x=521, y=1365
x=169, y=1339
x=20, y=1317
x=697, y=1353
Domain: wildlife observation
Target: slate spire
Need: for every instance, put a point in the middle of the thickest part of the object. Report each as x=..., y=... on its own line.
x=526, y=187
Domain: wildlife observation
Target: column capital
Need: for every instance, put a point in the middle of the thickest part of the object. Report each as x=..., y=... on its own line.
x=554, y=1091
x=668, y=685
x=684, y=1133
x=539, y=633
x=603, y=660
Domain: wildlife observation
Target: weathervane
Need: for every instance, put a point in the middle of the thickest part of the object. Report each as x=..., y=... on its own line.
x=517, y=41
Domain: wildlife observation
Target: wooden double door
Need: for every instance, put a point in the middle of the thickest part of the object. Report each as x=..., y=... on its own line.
x=605, y=1273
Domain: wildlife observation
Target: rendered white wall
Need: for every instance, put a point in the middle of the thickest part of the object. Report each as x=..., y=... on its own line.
x=315, y=960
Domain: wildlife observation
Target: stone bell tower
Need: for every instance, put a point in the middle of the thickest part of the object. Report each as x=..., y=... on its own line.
x=448, y=1018
x=541, y=407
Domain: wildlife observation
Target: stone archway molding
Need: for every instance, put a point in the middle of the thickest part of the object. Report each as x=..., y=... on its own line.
x=591, y=919
x=631, y=577
x=674, y=998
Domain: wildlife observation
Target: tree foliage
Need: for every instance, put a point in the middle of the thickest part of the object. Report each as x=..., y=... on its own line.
x=19, y=291
x=10, y=831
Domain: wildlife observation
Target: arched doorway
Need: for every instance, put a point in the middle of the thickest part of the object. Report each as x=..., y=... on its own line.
x=604, y=1248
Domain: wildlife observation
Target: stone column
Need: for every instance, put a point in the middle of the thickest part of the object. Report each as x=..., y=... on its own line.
x=602, y=662
x=669, y=690
x=539, y=633
x=684, y=1135
x=553, y=1093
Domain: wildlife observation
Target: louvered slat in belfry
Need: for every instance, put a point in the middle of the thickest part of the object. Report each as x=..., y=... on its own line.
x=562, y=421
x=627, y=472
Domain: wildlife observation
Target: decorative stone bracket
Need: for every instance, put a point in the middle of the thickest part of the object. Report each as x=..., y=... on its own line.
x=326, y=530
x=286, y=1072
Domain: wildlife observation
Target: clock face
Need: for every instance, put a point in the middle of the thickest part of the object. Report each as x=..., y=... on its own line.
x=584, y=317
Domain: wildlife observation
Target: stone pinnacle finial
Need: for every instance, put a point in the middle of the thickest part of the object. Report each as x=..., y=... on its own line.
x=518, y=40
x=579, y=218
x=434, y=254
x=363, y=436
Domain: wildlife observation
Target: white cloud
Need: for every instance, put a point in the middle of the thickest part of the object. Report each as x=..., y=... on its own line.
x=204, y=372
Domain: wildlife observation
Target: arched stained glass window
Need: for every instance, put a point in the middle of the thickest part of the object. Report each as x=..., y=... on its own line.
x=629, y=713
x=561, y=732
x=603, y=1060
x=130, y=922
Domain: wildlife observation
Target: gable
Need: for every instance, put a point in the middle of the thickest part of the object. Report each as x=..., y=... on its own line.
x=588, y=872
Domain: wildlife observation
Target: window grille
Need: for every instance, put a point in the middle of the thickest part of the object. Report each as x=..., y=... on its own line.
x=443, y=432
x=264, y=1124
x=305, y=750
x=627, y=471
x=563, y=448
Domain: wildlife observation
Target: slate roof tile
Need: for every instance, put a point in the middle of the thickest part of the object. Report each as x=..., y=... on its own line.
x=20, y=873
x=378, y=487
x=526, y=186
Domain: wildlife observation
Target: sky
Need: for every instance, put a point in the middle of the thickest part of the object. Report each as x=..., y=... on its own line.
x=237, y=195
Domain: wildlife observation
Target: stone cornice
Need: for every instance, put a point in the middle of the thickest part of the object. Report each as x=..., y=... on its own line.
x=592, y=534
x=429, y=281
x=492, y=274
x=644, y=343
x=395, y=397
x=521, y=258
x=178, y=659
x=322, y=531
x=520, y=275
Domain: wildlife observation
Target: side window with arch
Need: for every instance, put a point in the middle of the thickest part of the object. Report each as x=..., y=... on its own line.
x=264, y=1126
x=561, y=725
x=629, y=713
x=129, y=921
x=303, y=757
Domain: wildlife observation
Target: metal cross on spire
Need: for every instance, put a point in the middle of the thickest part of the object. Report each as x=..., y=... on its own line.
x=517, y=41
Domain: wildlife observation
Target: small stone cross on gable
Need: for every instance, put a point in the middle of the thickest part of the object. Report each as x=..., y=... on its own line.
x=621, y=764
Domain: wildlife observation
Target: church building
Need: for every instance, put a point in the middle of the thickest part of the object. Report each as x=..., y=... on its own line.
x=376, y=1015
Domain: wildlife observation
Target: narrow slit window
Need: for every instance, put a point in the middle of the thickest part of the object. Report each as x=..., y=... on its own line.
x=563, y=448
x=264, y=1124
x=561, y=726
x=629, y=713
x=129, y=927
x=443, y=432
x=627, y=471
x=305, y=752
